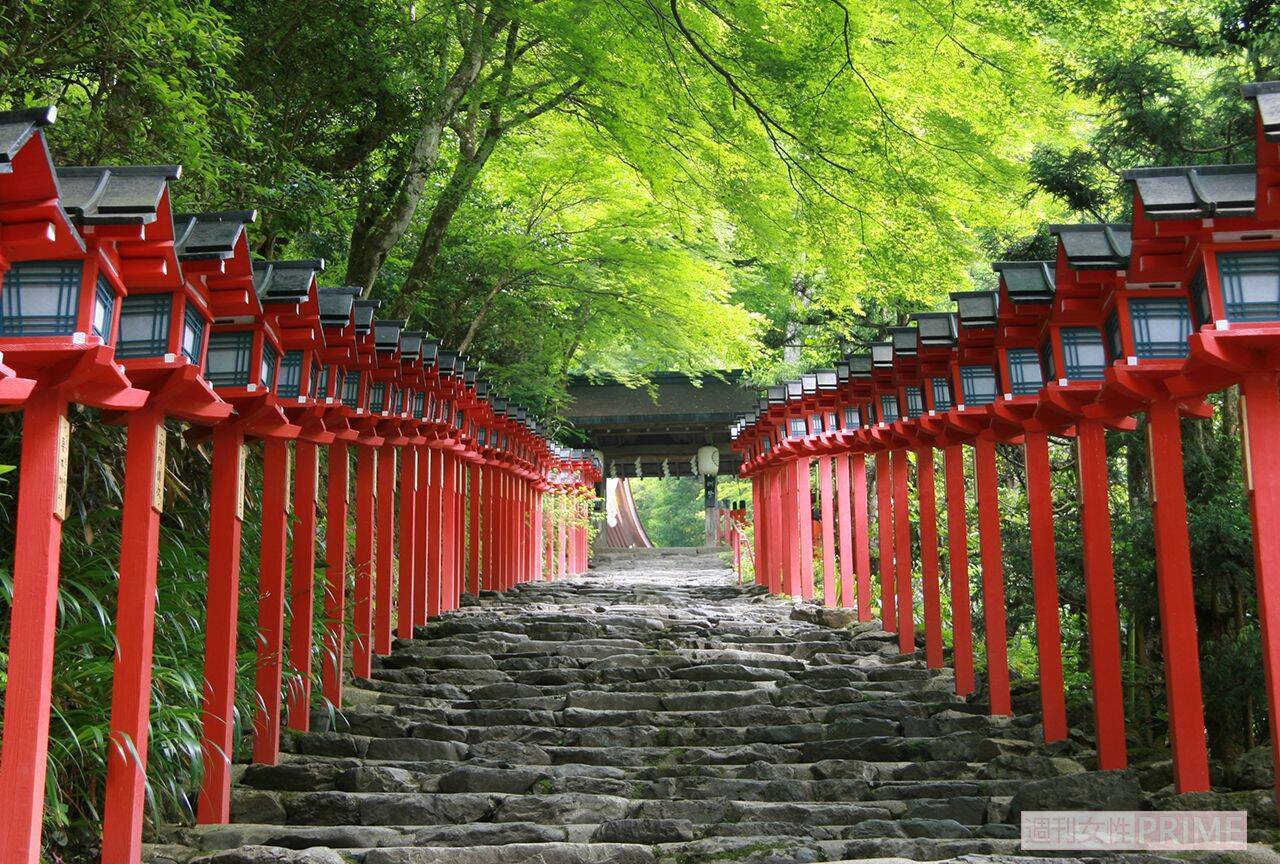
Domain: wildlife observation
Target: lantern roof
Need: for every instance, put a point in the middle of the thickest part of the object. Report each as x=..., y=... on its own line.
x=936, y=329
x=1267, y=96
x=386, y=334
x=430, y=350
x=482, y=388
x=977, y=308
x=18, y=127
x=828, y=379
x=1099, y=246
x=411, y=345
x=447, y=361
x=131, y=194
x=842, y=372
x=1027, y=281
x=808, y=384
x=882, y=354
x=860, y=365
x=1195, y=192
x=777, y=395
x=469, y=376
x=337, y=305
x=210, y=236
x=364, y=310
x=794, y=388
x=905, y=340
x=286, y=281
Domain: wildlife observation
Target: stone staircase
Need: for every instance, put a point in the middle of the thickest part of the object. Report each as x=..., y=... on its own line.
x=651, y=712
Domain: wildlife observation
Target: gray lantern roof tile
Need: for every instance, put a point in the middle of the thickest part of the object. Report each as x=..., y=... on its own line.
x=828, y=379
x=860, y=365
x=210, y=236
x=364, y=310
x=411, y=345
x=430, y=349
x=842, y=371
x=809, y=384
x=1266, y=94
x=447, y=361
x=337, y=305
x=1027, y=281
x=795, y=389
x=1196, y=192
x=386, y=334
x=286, y=282
x=882, y=354
x=469, y=376
x=777, y=394
x=19, y=127
x=1095, y=246
x=977, y=308
x=936, y=329
x=103, y=196
x=905, y=340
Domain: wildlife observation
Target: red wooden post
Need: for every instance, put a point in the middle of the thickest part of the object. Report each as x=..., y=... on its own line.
x=902, y=552
x=366, y=501
x=384, y=549
x=791, y=529
x=804, y=503
x=1100, y=595
x=564, y=537
x=958, y=564
x=302, y=583
x=1259, y=418
x=124, y=802
x=271, y=590
x=222, y=604
x=926, y=495
x=758, y=532
x=884, y=534
x=447, y=532
x=408, y=541
x=335, y=591
x=473, y=528
x=844, y=516
x=435, y=526
x=460, y=531
x=1176, y=592
x=861, y=534
x=422, y=535
x=993, y=615
x=1044, y=576
x=828, y=533
x=779, y=547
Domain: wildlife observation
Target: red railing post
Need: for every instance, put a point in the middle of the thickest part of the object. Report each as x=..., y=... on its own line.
x=958, y=564
x=271, y=590
x=384, y=548
x=926, y=495
x=222, y=604
x=366, y=502
x=993, y=613
x=844, y=520
x=447, y=532
x=902, y=552
x=1176, y=593
x=408, y=541
x=435, y=528
x=1100, y=595
x=884, y=536
x=302, y=583
x=1044, y=577
x=124, y=801
x=422, y=534
x=861, y=534
x=779, y=545
x=473, y=527
x=829, y=577
x=335, y=592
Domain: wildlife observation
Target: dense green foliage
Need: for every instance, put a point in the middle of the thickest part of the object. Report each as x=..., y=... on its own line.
x=619, y=186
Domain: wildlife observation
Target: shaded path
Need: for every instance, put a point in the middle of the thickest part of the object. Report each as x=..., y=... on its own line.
x=650, y=712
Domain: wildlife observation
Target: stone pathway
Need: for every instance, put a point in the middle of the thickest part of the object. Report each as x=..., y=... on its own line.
x=650, y=712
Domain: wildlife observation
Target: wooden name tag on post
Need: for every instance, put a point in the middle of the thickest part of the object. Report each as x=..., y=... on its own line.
x=64, y=458
x=157, y=478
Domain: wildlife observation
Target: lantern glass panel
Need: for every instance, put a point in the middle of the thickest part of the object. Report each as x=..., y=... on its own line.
x=1083, y=354
x=978, y=384
x=816, y=425
x=1046, y=359
x=419, y=405
x=144, y=325
x=767, y=444
x=351, y=390
x=227, y=363
x=290, y=374
x=1024, y=372
x=38, y=298
x=320, y=381
x=831, y=421
x=1115, y=340
x=1250, y=285
x=1161, y=327
x=1200, y=305
x=267, y=374
x=797, y=426
x=193, y=327
x=915, y=402
x=377, y=393
x=104, y=304
x=851, y=418
x=888, y=407
x=942, y=394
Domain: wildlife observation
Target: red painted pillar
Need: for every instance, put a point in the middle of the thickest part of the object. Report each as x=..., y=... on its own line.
x=564, y=536
x=422, y=536
x=548, y=541
x=460, y=531
x=302, y=576
x=435, y=529
x=222, y=604
x=861, y=534
x=758, y=533
x=1100, y=595
x=993, y=615
x=884, y=534
x=791, y=529
x=927, y=496
x=366, y=502
x=473, y=529
x=408, y=541
x=447, y=533
x=844, y=522
x=271, y=590
x=1044, y=578
x=804, y=502
x=1259, y=420
x=384, y=549
x=958, y=564
x=335, y=585
x=124, y=802
x=902, y=552
x=828, y=533
x=779, y=547
x=1176, y=591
